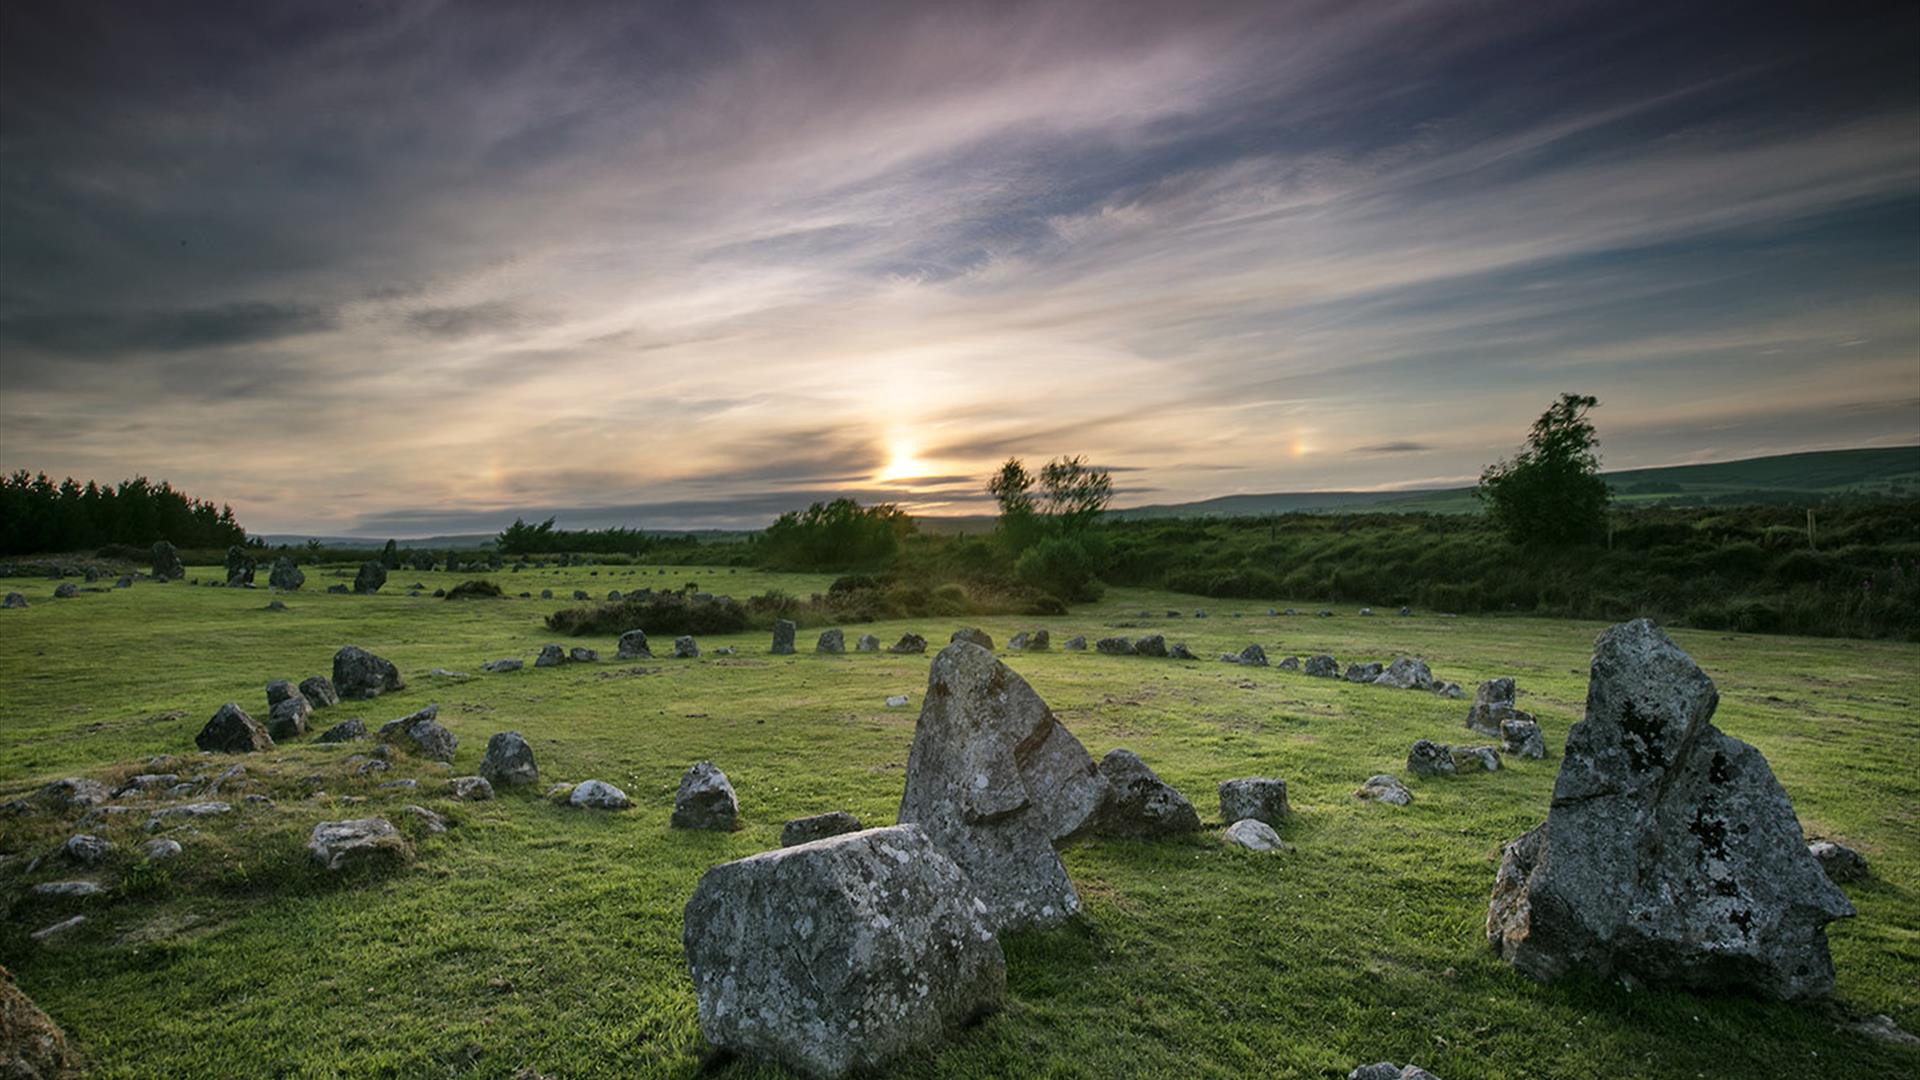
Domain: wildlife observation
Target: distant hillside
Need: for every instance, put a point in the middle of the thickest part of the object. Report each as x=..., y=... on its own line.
x=1891, y=472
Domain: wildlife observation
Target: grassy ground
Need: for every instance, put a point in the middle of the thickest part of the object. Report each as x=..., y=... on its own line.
x=534, y=936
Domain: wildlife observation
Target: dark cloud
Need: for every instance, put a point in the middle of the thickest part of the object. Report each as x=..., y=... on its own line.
x=1400, y=446
x=471, y=320
x=97, y=334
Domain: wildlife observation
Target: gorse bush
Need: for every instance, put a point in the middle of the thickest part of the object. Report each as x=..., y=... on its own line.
x=477, y=589
x=666, y=614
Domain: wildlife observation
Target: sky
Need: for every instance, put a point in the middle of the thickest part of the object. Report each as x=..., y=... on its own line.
x=403, y=269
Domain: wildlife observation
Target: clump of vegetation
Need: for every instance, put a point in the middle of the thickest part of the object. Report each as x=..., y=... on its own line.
x=1551, y=491
x=656, y=613
x=38, y=515
x=521, y=538
x=837, y=535
x=477, y=589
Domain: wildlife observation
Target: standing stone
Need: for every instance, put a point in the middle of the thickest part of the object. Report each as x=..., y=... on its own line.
x=1258, y=797
x=288, y=719
x=832, y=642
x=1428, y=758
x=286, y=575
x=372, y=575
x=240, y=566
x=685, y=648
x=705, y=800
x=1151, y=645
x=551, y=655
x=818, y=827
x=1670, y=852
x=359, y=674
x=1406, y=673
x=1114, y=646
x=166, y=562
x=1322, y=667
x=866, y=643
x=909, y=644
x=1140, y=804
x=13, y=600
x=278, y=691
x=421, y=733
x=1520, y=736
x=974, y=634
x=1492, y=704
x=232, y=731
x=633, y=646
x=783, y=631
x=996, y=780
x=509, y=760
x=1364, y=673
x=841, y=956
x=1075, y=644
x=319, y=692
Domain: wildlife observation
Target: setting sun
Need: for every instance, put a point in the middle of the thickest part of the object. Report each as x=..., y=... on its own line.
x=901, y=464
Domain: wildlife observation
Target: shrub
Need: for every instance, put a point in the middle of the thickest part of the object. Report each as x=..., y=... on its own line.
x=663, y=614
x=1061, y=566
x=478, y=588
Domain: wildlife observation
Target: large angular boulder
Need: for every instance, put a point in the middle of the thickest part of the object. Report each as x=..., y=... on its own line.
x=1670, y=853
x=240, y=566
x=508, y=761
x=1321, y=667
x=783, y=633
x=286, y=574
x=166, y=562
x=1406, y=673
x=232, y=731
x=32, y=1046
x=1140, y=804
x=996, y=780
x=633, y=646
x=359, y=674
x=705, y=800
x=288, y=718
x=840, y=956
x=422, y=734
x=344, y=845
x=1493, y=705
x=319, y=692
x=1365, y=673
x=1262, y=798
x=372, y=575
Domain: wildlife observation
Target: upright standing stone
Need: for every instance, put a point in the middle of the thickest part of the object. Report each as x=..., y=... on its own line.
x=633, y=646
x=509, y=760
x=166, y=562
x=832, y=642
x=1492, y=706
x=286, y=574
x=1258, y=797
x=1669, y=852
x=372, y=575
x=840, y=956
x=995, y=780
x=783, y=631
x=705, y=800
x=867, y=643
x=685, y=648
x=239, y=566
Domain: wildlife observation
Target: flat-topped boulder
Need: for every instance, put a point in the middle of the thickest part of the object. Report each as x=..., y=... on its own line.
x=359, y=674
x=1262, y=798
x=843, y=955
x=705, y=800
x=1670, y=852
x=996, y=780
x=232, y=731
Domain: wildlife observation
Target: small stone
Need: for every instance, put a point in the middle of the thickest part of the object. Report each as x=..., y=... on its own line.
x=343, y=845
x=87, y=849
x=498, y=666
x=1428, y=758
x=1075, y=644
x=1291, y=663
x=1841, y=862
x=1520, y=735
x=430, y=822
x=1475, y=758
x=1406, y=673
x=1114, y=646
x=66, y=591
x=42, y=934
x=160, y=849
x=289, y=718
x=897, y=701
x=67, y=890
x=550, y=656
x=1364, y=673
x=909, y=644
x=1253, y=835
x=470, y=788
x=1152, y=645
x=866, y=643
x=1386, y=789
x=1139, y=803
x=232, y=731
x=818, y=827
x=14, y=600
x=705, y=800
x=359, y=674
x=344, y=731
x=975, y=635
x=421, y=733
x=1251, y=656
x=598, y=795
x=580, y=654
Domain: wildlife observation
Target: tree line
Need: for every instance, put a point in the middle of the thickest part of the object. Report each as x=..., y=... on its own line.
x=38, y=515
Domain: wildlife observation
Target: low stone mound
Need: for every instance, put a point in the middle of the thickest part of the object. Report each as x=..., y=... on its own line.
x=1253, y=835
x=319, y=692
x=1364, y=673
x=1385, y=789
x=1114, y=646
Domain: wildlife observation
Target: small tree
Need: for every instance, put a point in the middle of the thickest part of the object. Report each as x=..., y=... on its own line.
x=1550, y=493
x=1076, y=492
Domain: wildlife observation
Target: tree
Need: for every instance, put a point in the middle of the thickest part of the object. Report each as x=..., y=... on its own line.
x=1076, y=492
x=1550, y=493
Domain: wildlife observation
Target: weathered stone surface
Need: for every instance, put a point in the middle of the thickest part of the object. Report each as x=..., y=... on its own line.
x=286, y=574
x=1114, y=646
x=67, y=890
x=421, y=733
x=897, y=701
x=783, y=633
x=866, y=643
x=1520, y=736
x=32, y=1046
x=551, y=655
x=87, y=849
x=1076, y=643
x=240, y=566
x=1139, y=803
x=166, y=562
x=818, y=827
x=685, y=648
x=1406, y=673
x=507, y=664
x=1322, y=667
x=1364, y=673
x=1429, y=758
x=319, y=692
x=995, y=780
x=909, y=644
x=1151, y=645
x=124, y=581
x=160, y=849
x=974, y=634
x=343, y=845
x=288, y=719
x=429, y=822
x=1252, y=834
x=1179, y=651
x=1030, y=641
x=705, y=800
x=1291, y=663
x=1840, y=862
x=832, y=642
x=1448, y=690
x=359, y=674
x=72, y=793
x=842, y=955
x=509, y=760
x=1386, y=1070
x=633, y=646
x=1383, y=788
x=598, y=795
x=14, y=600
x=1251, y=656
x=1474, y=758
x=580, y=654
x=1262, y=798
x=371, y=576
x=232, y=731
x=470, y=788
x=345, y=731
x=1670, y=853
x=66, y=590
x=1492, y=704
x=278, y=691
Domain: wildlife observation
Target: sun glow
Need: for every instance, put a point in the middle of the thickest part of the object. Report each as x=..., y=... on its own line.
x=901, y=464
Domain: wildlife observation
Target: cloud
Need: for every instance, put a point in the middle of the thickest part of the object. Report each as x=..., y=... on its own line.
x=96, y=335
x=1398, y=446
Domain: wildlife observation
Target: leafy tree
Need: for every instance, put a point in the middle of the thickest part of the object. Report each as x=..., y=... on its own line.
x=837, y=535
x=1076, y=493
x=1550, y=493
x=37, y=515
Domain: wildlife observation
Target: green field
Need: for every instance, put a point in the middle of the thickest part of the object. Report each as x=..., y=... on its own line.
x=534, y=936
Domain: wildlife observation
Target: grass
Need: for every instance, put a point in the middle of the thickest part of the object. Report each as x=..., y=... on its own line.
x=530, y=935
